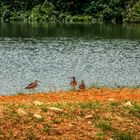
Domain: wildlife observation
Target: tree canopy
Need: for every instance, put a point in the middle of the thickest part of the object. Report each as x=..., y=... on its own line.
x=70, y=10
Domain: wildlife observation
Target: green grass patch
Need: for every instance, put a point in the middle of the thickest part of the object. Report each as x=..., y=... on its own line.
x=104, y=126
x=123, y=136
x=114, y=104
x=44, y=108
x=47, y=128
x=66, y=115
x=57, y=121
x=135, y=111
x=67, y=106
x=24, y=106
x=100, y=135
x=81, y=105
x=89, y=105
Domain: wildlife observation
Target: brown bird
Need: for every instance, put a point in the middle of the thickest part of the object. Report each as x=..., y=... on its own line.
x=82, y=85
x=73, y=83
x=32, y=86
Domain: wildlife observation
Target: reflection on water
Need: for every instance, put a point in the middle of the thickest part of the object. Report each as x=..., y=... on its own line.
x=70, y=30
x=51, y=60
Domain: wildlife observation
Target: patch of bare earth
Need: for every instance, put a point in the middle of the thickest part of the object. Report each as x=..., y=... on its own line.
x=108, y=114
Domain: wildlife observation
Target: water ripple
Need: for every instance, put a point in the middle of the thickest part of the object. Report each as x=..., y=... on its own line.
x=102, y=62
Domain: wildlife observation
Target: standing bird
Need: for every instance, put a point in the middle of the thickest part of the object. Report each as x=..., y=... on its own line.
x=32, y=86
x=73, y=83
x=82, y=85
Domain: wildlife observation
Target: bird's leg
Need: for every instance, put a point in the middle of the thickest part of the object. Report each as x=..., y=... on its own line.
x=73, y=87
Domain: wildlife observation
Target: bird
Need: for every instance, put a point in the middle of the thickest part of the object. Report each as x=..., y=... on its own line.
x=33, y=85
x=82, y=85
x=73, y=83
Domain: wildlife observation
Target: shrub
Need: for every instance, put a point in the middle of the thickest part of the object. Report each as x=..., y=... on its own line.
x=134, y=13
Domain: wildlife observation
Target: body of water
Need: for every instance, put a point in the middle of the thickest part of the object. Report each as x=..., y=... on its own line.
x=101, y=55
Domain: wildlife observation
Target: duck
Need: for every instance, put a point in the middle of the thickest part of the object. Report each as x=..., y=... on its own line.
x=82, y=85
x=73, y=83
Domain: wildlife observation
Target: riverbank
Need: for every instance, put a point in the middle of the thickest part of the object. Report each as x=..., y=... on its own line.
x=99, y=94
x=76, y=115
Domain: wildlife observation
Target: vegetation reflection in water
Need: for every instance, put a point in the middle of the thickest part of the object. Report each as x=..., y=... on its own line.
x=88, y=31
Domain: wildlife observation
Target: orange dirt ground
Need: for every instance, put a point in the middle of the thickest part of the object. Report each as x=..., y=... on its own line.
x=102, y=94
x=109, y=118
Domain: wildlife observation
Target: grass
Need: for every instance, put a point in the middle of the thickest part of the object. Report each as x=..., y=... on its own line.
x=100, y=135
x=10, y=113
x=66, y=115
x=114, y=104
x=74, y=112
x=57, y=121
x=47, y=128
x=44, y=108
x=135, y=111
x=104, y=126
x=82, y=105
x=110, y=119
x=24, y=106
x=63, y=105
x=89, y=105
x=123, y=136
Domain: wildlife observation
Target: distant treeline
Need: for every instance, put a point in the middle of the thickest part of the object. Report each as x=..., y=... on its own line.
x=70, y=10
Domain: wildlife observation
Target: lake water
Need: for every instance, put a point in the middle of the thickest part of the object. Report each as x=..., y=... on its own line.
x=100, y=54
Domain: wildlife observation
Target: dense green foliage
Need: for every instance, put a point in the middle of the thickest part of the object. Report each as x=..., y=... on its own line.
x=70, y=10
x=134, y=13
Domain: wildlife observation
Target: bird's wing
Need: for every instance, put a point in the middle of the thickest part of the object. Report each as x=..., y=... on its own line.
x=30, y=85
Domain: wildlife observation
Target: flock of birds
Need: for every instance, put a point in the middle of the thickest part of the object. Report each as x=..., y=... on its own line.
x=73, y=84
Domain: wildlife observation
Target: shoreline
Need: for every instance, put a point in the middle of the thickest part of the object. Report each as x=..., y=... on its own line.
x=99, y=94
